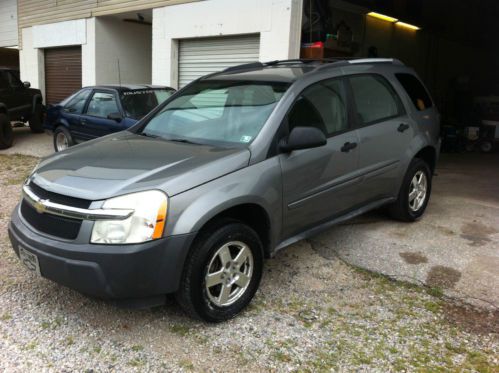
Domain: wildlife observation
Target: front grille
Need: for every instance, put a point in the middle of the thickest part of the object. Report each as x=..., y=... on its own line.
x=53, y=225
x=59, y=198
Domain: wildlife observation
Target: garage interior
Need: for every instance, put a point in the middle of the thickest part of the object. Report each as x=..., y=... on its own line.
x=450, y=44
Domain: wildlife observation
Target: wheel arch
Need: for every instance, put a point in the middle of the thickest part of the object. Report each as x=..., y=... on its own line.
x=3, y=108
x=429, y=155
x=250, y=213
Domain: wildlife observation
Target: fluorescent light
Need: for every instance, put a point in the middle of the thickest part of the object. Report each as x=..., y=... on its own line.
x=407, y=25
x=382, y=16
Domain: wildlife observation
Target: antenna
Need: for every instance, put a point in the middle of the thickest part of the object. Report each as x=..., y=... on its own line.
x=119, y=72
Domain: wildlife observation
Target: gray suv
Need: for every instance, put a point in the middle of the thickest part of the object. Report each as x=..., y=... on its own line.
x=231, y=169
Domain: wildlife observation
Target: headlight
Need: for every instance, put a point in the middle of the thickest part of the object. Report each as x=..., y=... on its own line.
x=146, y=223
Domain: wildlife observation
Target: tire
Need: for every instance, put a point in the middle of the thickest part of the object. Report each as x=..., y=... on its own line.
x=61, y=133
x=406, y=208
x=208, y=303
x=6, y=134
x=36, y=119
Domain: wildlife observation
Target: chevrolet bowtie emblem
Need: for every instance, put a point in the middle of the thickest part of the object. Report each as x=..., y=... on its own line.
x=40, y=207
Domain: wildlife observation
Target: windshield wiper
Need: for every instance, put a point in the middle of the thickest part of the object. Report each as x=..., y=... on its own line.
x=185, y=141
x=145, y=134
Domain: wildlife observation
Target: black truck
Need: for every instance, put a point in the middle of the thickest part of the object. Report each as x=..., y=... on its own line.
x=18, y=103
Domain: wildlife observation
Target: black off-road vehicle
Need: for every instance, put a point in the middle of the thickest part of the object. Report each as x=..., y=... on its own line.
x=19, y=103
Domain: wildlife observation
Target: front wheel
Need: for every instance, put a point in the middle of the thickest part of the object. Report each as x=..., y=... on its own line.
x=62, y=139
x=414, y=192
x=222, y=272
x=6, y=135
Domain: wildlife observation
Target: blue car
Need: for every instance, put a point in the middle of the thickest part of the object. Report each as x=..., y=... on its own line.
x=100, y=110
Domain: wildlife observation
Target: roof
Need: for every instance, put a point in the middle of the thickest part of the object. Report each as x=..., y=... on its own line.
x=288, y=71
x=129, y=87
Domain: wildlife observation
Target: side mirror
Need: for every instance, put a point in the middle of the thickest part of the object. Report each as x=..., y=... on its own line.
x=115, y=116
x=303, y=138
x=27, y=84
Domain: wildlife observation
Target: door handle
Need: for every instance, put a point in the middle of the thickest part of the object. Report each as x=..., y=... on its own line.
x=83, y=121
x=403, y=127
x=348, y=146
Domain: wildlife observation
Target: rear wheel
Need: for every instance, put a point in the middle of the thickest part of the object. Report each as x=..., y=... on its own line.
x=36, y=120
x=414, y=193
x=6, y=135
x=62, y=139
x=222, y=273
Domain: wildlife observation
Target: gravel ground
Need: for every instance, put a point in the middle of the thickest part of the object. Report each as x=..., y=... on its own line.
x=312, y=313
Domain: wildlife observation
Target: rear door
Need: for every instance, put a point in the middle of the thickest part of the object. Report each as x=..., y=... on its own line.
x=94, y=121
x=385, y=131
x=320, y=183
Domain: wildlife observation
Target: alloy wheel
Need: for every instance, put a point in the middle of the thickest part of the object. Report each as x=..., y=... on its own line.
x=417, y=191
x=229, y=273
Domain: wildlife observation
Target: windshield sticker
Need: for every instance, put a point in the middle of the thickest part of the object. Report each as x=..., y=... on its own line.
x=142, y=91
x=246, y=138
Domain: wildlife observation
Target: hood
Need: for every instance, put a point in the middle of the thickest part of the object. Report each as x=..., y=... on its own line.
x=125, y=162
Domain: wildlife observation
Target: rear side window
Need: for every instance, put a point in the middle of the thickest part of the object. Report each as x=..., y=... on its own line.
x=375, y=99
x=415, y=90
x=77, y=102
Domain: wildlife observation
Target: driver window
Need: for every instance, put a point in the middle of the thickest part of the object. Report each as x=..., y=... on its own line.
x=322, y=105
x=102, y=104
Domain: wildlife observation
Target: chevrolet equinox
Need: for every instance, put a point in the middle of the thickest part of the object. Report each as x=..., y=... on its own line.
x=229, y=170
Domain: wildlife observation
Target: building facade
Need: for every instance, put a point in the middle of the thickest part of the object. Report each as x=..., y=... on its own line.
x=66, y=44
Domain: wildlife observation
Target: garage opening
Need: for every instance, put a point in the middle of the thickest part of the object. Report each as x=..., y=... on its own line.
x=450, y=44
x=198, y=57
x=62, y=73
x=123, y=51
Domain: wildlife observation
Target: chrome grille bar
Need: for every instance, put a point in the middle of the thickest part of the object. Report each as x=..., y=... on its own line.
x=45, y=206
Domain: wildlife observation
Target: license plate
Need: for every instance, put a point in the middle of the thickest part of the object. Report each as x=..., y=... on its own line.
x=29, y=259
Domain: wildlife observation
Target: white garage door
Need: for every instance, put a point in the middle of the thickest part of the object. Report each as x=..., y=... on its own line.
x=198, y=57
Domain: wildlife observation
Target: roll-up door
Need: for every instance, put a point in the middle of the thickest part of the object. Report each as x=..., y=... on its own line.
x=198, y=57
x=62, y=73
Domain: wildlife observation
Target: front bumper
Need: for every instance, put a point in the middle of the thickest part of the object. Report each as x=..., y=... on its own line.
x=106, y=271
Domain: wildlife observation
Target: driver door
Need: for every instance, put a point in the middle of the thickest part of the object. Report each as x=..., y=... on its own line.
x=94, y=121
x=320, y=183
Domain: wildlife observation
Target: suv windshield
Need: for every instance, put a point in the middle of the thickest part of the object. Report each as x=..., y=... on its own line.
x=217, y=112
x=138, y=103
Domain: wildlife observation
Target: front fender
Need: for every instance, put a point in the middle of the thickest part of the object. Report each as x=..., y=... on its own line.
x=258, y=184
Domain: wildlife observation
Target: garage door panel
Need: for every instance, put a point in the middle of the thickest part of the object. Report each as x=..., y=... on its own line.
x=62, y=73
x=198, y=57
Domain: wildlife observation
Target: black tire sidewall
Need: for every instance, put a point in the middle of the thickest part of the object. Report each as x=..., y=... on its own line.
x=35, y=121
x=62, y=129
x=198, y=268
x=6, y=133
x=415, y=166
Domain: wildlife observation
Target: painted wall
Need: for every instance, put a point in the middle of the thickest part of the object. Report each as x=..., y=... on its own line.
x=8, y=23
x=277, y=21
x=37, y=38
x=127, y=42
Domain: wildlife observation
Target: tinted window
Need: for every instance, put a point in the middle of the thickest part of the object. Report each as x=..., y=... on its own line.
x=102, y=104
x=13, y=80
x=375, y=99
x=415, y=90
x=77, y=102
x=140, y=102
x=322, y=105
x=217, y=112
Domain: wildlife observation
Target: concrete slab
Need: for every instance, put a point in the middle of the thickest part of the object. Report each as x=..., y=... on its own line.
x=455, y=247
x=28, y=143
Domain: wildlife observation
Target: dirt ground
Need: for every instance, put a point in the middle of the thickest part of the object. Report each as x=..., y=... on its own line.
x=314, y=312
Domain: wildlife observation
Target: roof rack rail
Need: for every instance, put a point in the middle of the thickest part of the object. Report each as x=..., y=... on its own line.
x=324, y=63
